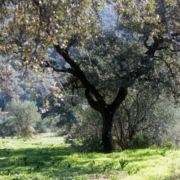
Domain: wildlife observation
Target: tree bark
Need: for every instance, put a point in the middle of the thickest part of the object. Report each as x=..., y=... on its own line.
x=107, y=112
x=107, y=141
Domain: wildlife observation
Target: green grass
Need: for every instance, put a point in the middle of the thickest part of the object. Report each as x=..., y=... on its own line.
x=48, y=158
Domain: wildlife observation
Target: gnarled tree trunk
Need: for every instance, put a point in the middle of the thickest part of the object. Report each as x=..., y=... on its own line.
x=107, y=112
x=107, y=140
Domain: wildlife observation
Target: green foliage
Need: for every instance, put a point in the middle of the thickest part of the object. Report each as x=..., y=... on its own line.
x=59, y=119
x=47, y=24
x=142, y=120
x=150, y=17
x=165, y=123
x=141, y=140
x=123, y=163
x=87, y=128
x=6, y=125
x=24, y=116
x=49, y=124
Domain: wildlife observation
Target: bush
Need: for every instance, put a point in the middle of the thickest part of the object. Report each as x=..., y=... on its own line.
x=145, y=118
x=6, y=125
x=24, y=116
x=141, y=140
x=87, y=144
x=88, y=129
x=91, y=144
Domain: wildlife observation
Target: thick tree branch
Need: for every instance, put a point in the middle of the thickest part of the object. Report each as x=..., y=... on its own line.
x=91, y=101
x=78, y=73
x=163, y=48
x=119, y=98
x=154, y=47
x=145, y=43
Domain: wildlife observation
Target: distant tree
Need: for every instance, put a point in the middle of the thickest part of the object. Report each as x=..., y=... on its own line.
x=24, y=116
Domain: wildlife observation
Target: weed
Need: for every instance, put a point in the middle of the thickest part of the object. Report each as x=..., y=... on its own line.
x=97, y=176
x=123, y=163
x=163, y=152
x=133, y=170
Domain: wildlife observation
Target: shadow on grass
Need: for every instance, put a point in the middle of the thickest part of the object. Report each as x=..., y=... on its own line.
x=173, y=177
x=64, y=162
x=60, y=162
x=144, y=154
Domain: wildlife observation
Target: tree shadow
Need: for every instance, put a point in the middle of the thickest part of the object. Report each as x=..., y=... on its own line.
x=173, y=177
x=60, y=162
x=65, y=162
x=145, y=154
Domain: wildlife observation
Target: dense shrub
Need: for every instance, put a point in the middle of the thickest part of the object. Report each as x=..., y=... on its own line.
x=141, y=140
x=87, y=129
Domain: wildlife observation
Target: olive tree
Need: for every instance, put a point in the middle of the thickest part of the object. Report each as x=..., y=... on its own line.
x=24, y=116
x=144, y=48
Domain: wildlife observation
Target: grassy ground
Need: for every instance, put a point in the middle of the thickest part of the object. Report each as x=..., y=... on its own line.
x=46, y=157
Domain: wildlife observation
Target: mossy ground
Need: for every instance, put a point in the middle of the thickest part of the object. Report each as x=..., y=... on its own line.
x=47, y=157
